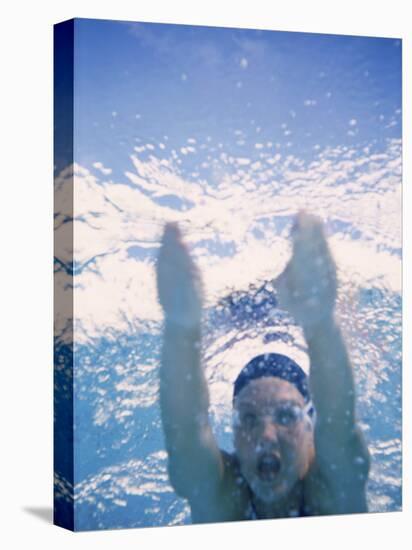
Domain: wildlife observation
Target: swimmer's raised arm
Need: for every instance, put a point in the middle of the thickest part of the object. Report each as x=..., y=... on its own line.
x=307, y=289
x=195, y=461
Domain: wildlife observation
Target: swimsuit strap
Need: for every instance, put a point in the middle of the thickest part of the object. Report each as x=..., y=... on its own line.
x=252, y=514
x=252, y=510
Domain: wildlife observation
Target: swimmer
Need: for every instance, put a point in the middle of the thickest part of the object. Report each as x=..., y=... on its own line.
x=298, y=450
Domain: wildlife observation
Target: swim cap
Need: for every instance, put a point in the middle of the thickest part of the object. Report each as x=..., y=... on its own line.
x=277, y=365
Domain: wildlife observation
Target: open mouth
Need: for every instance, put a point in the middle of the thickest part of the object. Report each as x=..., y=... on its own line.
x=268, y=467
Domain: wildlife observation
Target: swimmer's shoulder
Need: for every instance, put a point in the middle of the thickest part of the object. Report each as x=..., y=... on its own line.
x=318, y=497
x=231, y=500
x=341, y=493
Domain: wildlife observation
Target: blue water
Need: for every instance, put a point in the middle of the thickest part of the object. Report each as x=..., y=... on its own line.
x=230, y=133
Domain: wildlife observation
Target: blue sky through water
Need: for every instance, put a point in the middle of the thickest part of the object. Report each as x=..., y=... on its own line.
x=231, y=89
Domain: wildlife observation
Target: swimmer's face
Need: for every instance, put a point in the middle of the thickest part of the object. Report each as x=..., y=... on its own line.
x=273, y=436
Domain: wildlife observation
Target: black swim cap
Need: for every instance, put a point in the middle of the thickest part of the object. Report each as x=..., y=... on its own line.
x=277, y=365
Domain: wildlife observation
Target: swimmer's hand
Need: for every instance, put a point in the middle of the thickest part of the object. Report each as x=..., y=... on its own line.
x=307, y=286
x=178, y=280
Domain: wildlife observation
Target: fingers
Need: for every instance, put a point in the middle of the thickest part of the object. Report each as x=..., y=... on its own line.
x=308, y=235
x=179, y=284
x=307, y=225
x=171, y=232
x=311, y=253
x=174, y=257
x=172, y=245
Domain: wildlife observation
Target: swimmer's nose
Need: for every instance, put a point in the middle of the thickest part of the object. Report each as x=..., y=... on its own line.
x=270, y=433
